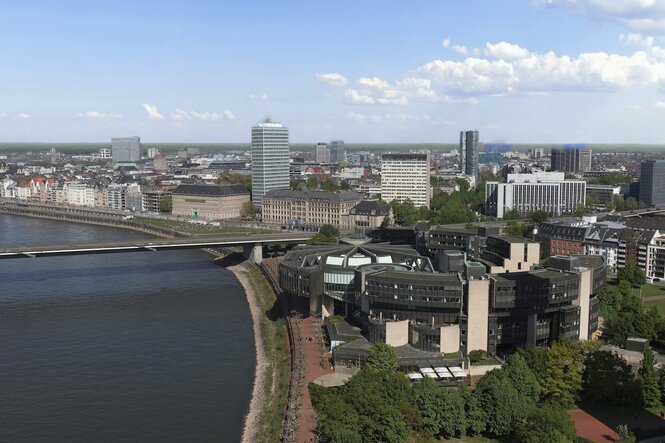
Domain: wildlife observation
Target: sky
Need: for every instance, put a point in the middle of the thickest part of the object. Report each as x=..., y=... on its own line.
x=519, y=71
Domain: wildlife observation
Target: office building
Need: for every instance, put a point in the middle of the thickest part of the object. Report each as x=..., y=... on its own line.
x=468, y=147
x=314, y=208
x=337, y=152
x=322, y=153
x=540, y=191
x=574, y=159
x=396, y=296
x=270, y=159
x=405, y=176
x=212, y=202
x=127, y=149
x=652, y=182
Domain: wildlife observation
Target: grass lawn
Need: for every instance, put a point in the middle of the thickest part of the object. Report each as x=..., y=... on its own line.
x=650, y=290
x=658, y=304
x=194, y=229
x=486, y=361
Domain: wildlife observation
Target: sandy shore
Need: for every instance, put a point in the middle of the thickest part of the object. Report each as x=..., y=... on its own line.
x=257, y=401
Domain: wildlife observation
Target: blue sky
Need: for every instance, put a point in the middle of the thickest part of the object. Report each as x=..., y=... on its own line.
x=541, y=71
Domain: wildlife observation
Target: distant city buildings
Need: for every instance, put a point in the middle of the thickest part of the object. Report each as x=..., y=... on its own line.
x=468, y=147
x=541, y=191
x=406, y=176
x=127, y=149
x=337, y=152
x=572, y=159
x=652, y=182
x=322, y=153
x=270, y=159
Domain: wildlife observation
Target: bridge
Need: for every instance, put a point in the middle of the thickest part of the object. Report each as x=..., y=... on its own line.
x=252, y=245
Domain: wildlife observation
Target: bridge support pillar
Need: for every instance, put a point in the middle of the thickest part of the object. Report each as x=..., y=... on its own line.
x=253, y=253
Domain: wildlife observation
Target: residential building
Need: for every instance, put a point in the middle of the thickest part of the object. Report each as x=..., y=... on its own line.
x=652, y=182
x=270, y=159
x=159, y=162
x=574, y=159
x=127, y=149
x=322, y=153
x=406, y=176
x=105, y=153
x=315, y=208
x=210, y=202
x=468, y=147
x=116, y=196
x=80, y=194
x=133, y=198
x=540, y=191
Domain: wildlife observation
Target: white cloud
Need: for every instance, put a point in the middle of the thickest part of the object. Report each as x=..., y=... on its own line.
x=152, y=112
x=3, y=114
x=333, y=79
x=23, y=116
x=506, y=51
x=396, y=118
x=262, y=97
x=96, y=115
x=636, y=15
x=457, y=48
x=660, y=104
x=210, y=117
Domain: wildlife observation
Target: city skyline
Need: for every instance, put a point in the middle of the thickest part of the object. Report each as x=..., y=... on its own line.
x=378, y=72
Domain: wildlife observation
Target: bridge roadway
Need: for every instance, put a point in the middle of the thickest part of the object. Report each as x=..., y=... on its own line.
x=217, y=241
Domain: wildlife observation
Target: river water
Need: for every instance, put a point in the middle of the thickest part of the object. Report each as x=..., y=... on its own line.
x=144, y=346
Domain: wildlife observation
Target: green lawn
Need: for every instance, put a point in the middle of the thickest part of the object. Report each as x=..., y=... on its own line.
x=650, y=290
x=659, y=304
x=195, y=229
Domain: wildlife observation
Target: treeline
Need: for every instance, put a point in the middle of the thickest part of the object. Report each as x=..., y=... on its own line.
x=625, y=314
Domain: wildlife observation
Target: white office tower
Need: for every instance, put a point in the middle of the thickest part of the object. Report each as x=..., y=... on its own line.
x=127, y=149
x=541, y=191
x=406, y=177
x=322, y=153
x=270, y=159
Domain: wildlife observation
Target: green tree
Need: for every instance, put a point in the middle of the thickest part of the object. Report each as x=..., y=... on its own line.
x=561, y=379
x=607, y=379
x=475, y=416
x=538, y=217
x=522, y=378
x=547, y=423
x=233, y=178
x=330, y=186
x=387, y=221
x=648, y=381
x=166, y=204
x=617, y=203
x=382, y=357
x=504, y=407
x=248, y=211
x=326, y=234
x=631, y=204
x=312, y=182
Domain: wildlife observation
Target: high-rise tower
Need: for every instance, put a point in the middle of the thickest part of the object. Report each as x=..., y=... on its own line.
x=126, y=149
x=270, y=159
x=468, y=147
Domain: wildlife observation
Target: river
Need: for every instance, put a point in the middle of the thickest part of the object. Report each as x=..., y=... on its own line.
x=143, y=346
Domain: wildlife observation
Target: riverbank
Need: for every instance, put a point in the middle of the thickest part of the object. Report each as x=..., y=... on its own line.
x=264, y=420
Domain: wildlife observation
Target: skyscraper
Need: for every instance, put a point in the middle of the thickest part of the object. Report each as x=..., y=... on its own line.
x=405, y=176
x=652, y=182
x=322, y=153
x=571, y=159
x=127, y=149
x=270, y=159
x=337, y=153
x=468, y=147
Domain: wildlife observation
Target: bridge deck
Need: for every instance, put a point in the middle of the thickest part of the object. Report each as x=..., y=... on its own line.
x=157, y=244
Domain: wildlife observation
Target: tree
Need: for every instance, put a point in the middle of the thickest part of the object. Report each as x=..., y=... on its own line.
x=382, y=357
x=387, y=221
x=538, y=217
x=326, y=234
x=547, y=423
x=165, y=204
x=312, y=182
x=631, y=204
x=561, y=379
x=232, y=178
x=608, y=379
x=477, y=355
x=503, y=405
x=617, y=203
x=522, y=378
x=648, y=381
x=475, y=416
x=330, y=186
x=248, y=211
